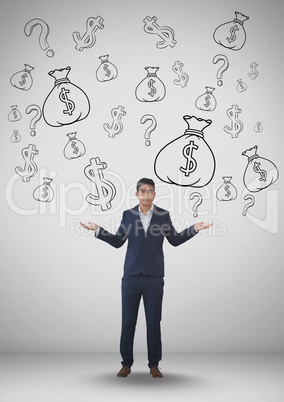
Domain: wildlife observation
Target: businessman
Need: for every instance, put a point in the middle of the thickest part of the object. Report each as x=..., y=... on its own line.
x=145, y=226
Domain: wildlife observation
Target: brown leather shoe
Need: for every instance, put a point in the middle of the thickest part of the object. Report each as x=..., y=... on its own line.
x=124, y=371
x=155, y=372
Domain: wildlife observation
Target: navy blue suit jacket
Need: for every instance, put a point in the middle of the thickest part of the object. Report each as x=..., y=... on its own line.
x=145, y=249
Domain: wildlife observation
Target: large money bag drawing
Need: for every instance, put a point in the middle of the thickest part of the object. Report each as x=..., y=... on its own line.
x=66, y=103
x=260, y=172
x=151, y=88
x=232, y=35
x=188, y=160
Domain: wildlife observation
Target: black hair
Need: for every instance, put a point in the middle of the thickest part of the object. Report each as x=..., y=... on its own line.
x=145, y=180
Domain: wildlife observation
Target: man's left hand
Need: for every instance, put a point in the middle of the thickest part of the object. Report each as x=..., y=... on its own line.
x=202, y=225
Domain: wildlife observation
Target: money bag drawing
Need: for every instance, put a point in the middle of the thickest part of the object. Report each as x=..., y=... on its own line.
x=227, y=191
x=23, y=79
x=44, y=192
x=232, y=35
x=188, y=160
x=15, y=136
x=15, y=114
x=260, y=173
x=106, y=70
x=66, y=103
x=151, y=88
x=206, y=101
x=74, y=147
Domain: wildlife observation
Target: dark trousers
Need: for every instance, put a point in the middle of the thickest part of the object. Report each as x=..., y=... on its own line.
x=151, y=289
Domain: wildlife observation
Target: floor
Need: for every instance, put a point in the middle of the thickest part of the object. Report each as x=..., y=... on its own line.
x=187, y=377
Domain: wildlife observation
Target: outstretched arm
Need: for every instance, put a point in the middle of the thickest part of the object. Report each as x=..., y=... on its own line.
x=175, y=238
x=115, y=240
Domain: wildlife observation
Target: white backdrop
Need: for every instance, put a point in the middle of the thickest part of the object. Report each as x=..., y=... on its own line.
x=59, y=288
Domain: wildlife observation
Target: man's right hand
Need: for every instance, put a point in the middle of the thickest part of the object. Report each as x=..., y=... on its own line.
x=90, y=226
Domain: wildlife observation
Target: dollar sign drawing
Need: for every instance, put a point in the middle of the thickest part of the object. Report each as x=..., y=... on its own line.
x=23, y=77
x=236, y=125
x=165, y=33
x=70, y=105
x=30, y=168
x=182, y=76
x=107, y=70
x=117, y=126
x=254, y=73
x=191, y=163
x=207, y=104
x=262, y=172
x=44, y=192
x=228, y=192
x=152, y=88
x=105, y=189
x=233, y=36
x=88, y=39
x=73, y=145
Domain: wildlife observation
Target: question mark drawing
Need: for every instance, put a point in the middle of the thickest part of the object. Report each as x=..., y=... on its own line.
x=150, y=129
x=42, y=36
x=35, y=119
x=222, y=69
x=249, y=204
x=196, y=205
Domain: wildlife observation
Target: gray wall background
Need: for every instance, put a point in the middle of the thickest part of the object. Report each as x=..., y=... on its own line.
x=60, y=289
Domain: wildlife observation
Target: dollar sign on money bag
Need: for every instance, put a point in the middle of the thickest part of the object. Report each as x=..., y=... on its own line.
x=227, y=191
x=23, y=79
x=74, y=148
x=232, y=35
x=44, y=192
x=106, y=71
x=188, y=160
x=207, y=100
x=66, y=103
x=14, y=115
x=260, y=173
x=15, y=136
x=151, y=88
x=105, y=190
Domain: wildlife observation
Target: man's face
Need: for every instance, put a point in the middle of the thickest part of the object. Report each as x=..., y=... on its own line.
x=146, y=195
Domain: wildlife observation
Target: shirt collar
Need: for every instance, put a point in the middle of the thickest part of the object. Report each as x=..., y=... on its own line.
x=150, y=210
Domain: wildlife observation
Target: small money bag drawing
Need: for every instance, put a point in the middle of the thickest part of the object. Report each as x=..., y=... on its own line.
x=106, y=71
x=242, y=86
x=207, y=100
x=227, y=191
x=258, y=128
x=15, y=136
x=260, y=173
x=232, y=35
x=151, y=88
x=23, y=79
x=74, y=147
x=14, y=115
x=66, y=103
x=188, y=160
x=44, y=192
